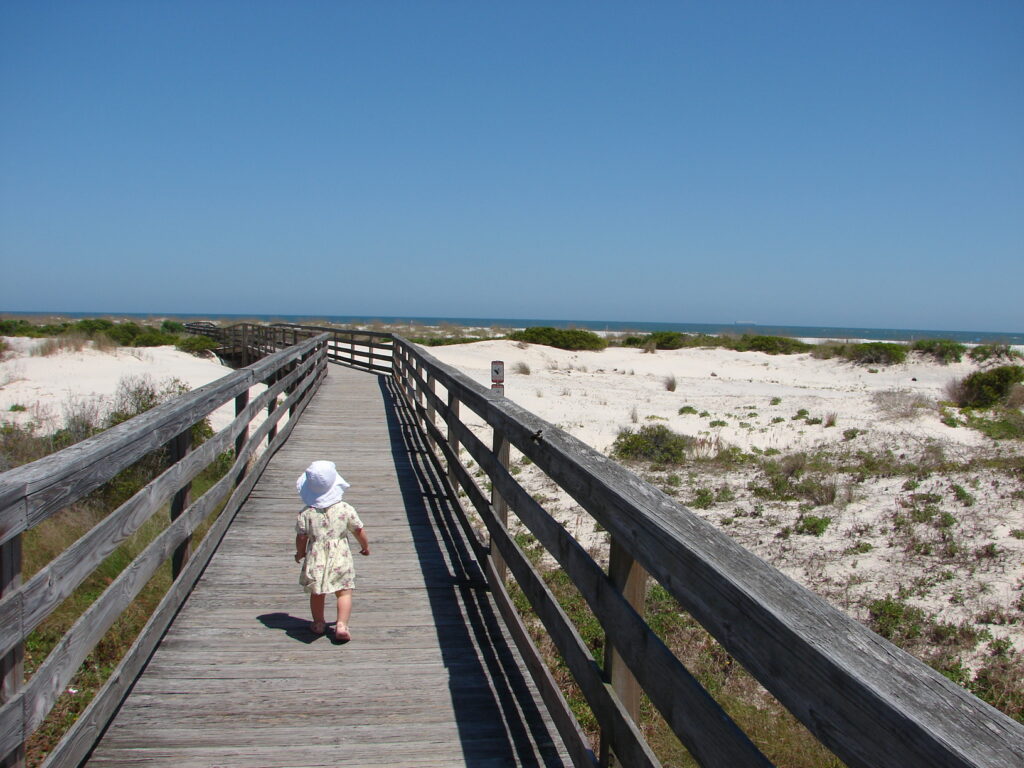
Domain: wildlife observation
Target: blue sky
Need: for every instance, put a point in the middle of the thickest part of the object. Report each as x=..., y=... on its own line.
x=806, y=163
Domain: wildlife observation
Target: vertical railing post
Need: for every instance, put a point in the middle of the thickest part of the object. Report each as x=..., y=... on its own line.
x=501, y=448
x=453, y=441
x=303, y=358
x=245, y=344
x=241, y=402
x=431, y=414
x=272, y=406
x=631, y=580
x=419, y=384
x=12, y=666
x=179, y=448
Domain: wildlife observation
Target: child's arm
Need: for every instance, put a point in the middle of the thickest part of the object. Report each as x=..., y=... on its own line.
x=364, y=542
x=300, y=546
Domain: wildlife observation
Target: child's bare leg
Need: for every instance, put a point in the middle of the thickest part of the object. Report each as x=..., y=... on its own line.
x=344, y=611
x=316, y=607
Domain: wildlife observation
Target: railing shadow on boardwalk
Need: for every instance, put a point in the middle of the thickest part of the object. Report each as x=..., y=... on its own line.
x=490, y=693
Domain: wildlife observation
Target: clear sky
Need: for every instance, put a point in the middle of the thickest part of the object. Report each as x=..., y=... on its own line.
x=806, y=163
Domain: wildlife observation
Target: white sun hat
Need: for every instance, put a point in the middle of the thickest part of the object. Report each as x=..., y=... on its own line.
x=320, y=485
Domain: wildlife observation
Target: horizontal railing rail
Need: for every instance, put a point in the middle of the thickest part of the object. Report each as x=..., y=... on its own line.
x=869, y=702
x=32, y=493
x=367, y=350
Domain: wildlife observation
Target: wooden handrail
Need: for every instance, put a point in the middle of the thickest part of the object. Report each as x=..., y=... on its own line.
x=30, y=494
x=868, y=701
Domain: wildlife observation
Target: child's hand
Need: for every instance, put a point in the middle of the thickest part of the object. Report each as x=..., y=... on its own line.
x=364, y=551
x=298, y=557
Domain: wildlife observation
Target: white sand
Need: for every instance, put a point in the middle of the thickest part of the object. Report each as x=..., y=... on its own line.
x=593, y=395
x=46, y=386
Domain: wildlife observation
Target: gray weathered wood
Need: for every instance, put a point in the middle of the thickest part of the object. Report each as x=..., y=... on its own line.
x=840, y=679
x=698, y=721
x=628, y=578
x=12, y=662
x=429, y=677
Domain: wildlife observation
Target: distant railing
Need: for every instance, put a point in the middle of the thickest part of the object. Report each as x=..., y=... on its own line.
x=368, y=350
x=32, y=493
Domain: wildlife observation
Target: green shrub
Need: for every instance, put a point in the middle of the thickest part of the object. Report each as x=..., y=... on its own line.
x=17, y=327
x=124, y=333
x=944, y=350
x=660, y=340
x=562, y=338
x=875, y=353
x=703, y=499
x=652, y=442
x=687, y=409
x=985, y=352
x=896, y=620
x=172, y=326
x=772, y=345
x=811, y=525
x=196, y=345
x=1007, y=424
x=963, y=495
x=151, y=337
x=444, y=341
x=90, y=326
x=984, y=389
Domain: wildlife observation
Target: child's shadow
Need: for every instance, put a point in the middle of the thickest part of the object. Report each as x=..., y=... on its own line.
x=294, y=627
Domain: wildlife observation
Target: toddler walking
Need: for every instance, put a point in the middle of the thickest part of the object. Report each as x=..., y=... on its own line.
x=321, y=544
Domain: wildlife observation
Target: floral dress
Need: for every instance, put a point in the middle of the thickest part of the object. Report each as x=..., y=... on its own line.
x=328, y=563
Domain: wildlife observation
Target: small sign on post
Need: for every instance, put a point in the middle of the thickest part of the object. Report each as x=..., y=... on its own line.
x=498, y=376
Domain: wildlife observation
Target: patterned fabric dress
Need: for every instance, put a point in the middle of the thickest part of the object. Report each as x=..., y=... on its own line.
x=328, y=565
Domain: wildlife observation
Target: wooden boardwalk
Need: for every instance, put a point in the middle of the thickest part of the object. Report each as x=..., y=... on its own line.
x=430, y=677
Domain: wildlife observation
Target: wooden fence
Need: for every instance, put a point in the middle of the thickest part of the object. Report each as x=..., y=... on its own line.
x=32, y=493
x=366, y=350
x=868, y=701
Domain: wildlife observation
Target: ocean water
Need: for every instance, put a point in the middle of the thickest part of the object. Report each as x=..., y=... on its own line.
x=796, y=331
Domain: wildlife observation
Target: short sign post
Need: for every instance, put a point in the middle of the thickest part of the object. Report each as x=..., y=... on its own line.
x=498, y=376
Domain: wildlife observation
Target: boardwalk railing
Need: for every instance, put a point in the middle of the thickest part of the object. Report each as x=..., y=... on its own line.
x=32, y=493
x=868, y=701
x=366, y=350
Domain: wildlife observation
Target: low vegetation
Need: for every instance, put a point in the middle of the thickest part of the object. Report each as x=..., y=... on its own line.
x=772, y=345
x=561, y=338
x=943, y=350
x=105, y=334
